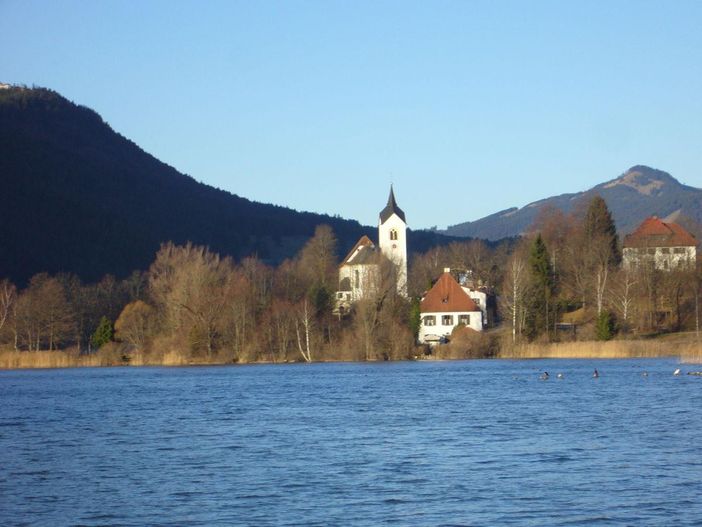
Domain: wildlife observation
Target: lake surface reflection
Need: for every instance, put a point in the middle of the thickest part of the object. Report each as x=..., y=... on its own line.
x=423, y=443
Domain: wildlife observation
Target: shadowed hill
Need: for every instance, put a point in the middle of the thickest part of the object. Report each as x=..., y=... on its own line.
x=78, y=197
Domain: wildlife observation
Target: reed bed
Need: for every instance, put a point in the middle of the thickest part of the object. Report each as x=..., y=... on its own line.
x=613, y=349
x=13, y=359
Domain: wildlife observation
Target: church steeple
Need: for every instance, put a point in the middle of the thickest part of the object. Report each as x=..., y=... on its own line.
x=391, y=208
x=392, y=239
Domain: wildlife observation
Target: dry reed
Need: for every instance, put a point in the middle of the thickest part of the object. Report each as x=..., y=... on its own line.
x=613, y=349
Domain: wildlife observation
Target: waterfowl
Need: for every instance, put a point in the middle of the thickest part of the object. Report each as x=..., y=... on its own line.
x=544, y=376
x=596, y=374
x=677, y=372
x=560, y=375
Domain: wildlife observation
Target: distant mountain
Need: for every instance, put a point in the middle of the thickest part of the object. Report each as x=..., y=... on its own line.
x=640, y=192
x=78, y=197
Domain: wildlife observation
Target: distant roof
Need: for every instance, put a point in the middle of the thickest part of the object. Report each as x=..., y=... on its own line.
x=391, y=208
x=447, y=296
x=361, y=252
x=656, y=233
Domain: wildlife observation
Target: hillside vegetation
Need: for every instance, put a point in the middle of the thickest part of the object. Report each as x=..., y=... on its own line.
x=78, y=197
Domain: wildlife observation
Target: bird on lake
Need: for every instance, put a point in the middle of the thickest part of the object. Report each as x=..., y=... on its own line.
x=596, y=374
x=645, y=374
x=676, y=372
x=560, y=375
x=544, y=376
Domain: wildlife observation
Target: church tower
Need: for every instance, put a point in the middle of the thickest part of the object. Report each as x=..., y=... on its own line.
x=392, y=239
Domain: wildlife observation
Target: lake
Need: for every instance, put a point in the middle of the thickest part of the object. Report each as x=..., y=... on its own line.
x=408, y=443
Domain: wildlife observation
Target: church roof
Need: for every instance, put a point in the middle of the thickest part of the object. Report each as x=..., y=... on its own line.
x=447, y=296
x=391, y=208
x=361, y=253
x=655, y=233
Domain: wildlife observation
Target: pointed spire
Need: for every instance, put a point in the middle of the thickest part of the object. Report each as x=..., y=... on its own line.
x=391, y=208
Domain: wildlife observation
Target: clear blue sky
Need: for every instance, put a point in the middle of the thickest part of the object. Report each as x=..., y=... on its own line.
x=467, y=107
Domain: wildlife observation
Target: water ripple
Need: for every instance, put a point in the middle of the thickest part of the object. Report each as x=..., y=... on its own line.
x=475, y=443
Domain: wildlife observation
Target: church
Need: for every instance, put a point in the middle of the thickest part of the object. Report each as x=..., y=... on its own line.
x=359, y=272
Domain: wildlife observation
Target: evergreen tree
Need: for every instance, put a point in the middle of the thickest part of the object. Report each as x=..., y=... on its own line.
x=600, y=224
x=605, y=327
x=539, y=314
x=415, y=317
x=103, y=334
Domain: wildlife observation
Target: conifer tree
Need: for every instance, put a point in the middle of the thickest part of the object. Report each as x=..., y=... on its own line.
x=599, y=224
x=542, y=289
x=602, y=253
x=103, y=334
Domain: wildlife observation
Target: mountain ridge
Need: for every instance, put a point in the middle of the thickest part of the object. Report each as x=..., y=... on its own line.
x=637, y=193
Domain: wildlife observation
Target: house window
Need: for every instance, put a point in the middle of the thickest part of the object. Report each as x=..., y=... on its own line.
x=679, y=250
x=665, y=250
x=430, y=320
x=651, y=251
x=477, y=301
x=464, y=319
x=393, y=234
x=447, y=320
x=357, y=279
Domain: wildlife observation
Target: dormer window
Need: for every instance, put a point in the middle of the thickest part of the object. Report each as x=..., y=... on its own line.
x=393, y=234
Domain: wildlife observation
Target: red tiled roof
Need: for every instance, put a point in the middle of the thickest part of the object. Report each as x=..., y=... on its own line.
x=447, y=296
x=655, y=233
x=364, y=241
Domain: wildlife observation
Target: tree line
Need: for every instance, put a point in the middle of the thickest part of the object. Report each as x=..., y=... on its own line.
x=202, y=306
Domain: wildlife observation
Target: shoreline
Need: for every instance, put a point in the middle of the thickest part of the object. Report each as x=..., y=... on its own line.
x=688, y=351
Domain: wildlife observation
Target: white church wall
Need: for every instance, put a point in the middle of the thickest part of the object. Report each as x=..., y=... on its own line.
x=392, y=239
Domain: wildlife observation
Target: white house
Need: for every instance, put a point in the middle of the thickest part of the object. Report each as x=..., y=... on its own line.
x=666, y=246
x=359, y=271
x=445, y=306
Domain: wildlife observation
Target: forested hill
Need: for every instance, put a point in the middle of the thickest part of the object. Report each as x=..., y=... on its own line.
x=638, y=193
x=78, y=197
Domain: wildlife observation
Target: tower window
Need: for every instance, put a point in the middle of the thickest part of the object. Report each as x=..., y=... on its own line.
x=393, y=234
x=357, y=278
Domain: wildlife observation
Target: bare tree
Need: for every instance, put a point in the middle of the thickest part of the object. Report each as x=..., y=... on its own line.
x=304, y=324
x=8, y=297
x=135, y=324
x=515, y=287
x=622, y=291
x=189, y=285
x=43, y=315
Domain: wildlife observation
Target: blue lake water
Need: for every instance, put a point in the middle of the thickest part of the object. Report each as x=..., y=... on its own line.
x=415, y=443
